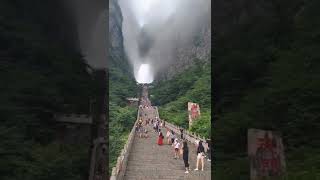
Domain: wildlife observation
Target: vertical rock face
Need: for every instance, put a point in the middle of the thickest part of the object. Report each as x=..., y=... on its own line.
x=116, y=49
x=198, y=49
x=115, y=26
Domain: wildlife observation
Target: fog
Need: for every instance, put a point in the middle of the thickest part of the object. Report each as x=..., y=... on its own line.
x=91, y=21
x=144, y=74
x=153, y=29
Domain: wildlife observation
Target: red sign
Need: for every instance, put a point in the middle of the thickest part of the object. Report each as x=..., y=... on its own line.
x=194, y=111
x=265, y=151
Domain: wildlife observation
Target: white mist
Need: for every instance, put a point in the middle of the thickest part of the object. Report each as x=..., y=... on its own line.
x=144, y=75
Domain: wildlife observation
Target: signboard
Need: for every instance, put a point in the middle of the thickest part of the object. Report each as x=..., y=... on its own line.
x=266, y=155
x=194, y=111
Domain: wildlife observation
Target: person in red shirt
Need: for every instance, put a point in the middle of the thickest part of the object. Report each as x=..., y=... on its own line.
x=160, y=139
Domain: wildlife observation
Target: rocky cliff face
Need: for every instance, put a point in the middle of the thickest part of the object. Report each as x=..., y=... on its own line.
x=228, y=18
x=117, y=56
x=185, y=53
x=198, y=49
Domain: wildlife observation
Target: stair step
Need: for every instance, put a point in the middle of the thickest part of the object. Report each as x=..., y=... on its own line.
x=149, y=161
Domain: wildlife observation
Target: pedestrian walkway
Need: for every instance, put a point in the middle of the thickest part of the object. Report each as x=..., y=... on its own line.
x=144, y=159
x=149, y=161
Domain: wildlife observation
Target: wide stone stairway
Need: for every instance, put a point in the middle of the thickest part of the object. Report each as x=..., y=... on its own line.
x=150, y=161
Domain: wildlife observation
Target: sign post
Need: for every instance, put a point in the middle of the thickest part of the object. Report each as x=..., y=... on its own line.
x=194, y=112
x=266, y=155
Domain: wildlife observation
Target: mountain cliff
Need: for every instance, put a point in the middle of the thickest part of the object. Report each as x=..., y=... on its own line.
x=186, y=55
x=116, y=49
x=121, y=80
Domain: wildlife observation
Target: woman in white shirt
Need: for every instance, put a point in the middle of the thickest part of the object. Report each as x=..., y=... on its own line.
x=176, y=146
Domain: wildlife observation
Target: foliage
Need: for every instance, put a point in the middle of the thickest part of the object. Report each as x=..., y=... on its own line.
x=191, y=85
x=269, y=81
x=40, y=77
x=200, y=126
x=121, y=123
x=121, y=117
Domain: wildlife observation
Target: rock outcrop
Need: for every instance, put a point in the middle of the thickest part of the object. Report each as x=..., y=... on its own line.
x=198, y=49
x=116, y=55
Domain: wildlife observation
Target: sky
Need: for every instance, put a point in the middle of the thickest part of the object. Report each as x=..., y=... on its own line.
x=153, y=29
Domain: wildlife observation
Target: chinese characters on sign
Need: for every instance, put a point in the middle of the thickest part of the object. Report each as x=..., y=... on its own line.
x=266, y=155
x=194, y=111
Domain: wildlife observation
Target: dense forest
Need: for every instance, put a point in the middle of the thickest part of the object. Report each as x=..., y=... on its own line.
x=266, y=75
x=121, y=117
x=41, y=76
x=191, y=85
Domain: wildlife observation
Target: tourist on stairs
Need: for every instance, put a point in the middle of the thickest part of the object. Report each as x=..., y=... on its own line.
x=168, y=136
x=181, y=132
x=141, y=131
x=145, y=133
x=185, y=155
x=172, y=137
x=160, y=139
x=200, y=156
x=176, y=146
x=155, y=126
x=209, y=149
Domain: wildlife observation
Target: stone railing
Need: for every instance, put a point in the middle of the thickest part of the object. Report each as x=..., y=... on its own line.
x=122, y=161
x=189, y=136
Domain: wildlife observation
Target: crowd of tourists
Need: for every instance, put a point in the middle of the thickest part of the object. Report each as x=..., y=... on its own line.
x=180, y=147
x=179, y=143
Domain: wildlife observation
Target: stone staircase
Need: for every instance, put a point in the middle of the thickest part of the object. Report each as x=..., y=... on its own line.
x=144, y=159
x=149, y=161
